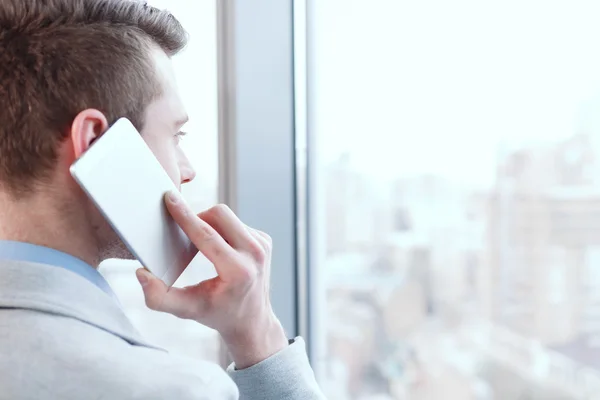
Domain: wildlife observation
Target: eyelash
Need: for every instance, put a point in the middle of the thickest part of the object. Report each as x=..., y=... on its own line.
x=180, y=135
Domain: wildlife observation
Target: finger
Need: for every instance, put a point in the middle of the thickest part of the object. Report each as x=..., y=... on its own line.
x=262, y=236
x=229, y=226
x=265, y=241
x=160, y=297
x=205, y=237
x=259, y=238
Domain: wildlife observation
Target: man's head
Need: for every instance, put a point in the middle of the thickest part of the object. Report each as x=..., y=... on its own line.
x=68, y=70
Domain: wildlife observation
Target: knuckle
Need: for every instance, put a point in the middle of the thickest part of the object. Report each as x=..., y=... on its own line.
x=216, y=252
x=188, y=312
x=221, y=209
x=268, y=238
x=204, y=233
x=260, y=257
x=257, y=252
x=248, y=274
x=263, y=238
x=154, y=302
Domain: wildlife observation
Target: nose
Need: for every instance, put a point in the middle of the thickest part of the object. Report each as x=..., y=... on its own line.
x=187, y=171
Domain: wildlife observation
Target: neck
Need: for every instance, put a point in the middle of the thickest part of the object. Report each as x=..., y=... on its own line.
x=47, y=220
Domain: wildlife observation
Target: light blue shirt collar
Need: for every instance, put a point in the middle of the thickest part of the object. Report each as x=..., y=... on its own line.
x=19, y=251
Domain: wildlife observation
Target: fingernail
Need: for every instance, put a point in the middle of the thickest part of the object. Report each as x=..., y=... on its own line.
x=142, y=277
x=173, y=196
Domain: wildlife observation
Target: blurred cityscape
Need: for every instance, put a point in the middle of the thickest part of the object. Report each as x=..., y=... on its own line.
x=436, y=290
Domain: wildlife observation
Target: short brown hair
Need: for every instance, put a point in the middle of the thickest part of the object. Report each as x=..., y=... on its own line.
x=60, y=57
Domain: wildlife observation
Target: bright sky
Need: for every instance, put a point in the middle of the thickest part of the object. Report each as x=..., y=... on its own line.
x=411, y=87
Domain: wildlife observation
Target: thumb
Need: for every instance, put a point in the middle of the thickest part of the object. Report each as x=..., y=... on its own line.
x=154, y=289
x=181, y=302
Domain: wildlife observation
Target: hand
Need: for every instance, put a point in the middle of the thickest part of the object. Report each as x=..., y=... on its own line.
x=236, y=303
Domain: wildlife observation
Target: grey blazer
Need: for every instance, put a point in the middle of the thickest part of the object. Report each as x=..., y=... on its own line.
x=61, y=337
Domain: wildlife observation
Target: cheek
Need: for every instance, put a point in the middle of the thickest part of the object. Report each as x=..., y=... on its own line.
x=168, y=159
x=169, y=163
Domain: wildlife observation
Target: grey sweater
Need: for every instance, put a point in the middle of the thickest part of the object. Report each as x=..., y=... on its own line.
x=61, y=337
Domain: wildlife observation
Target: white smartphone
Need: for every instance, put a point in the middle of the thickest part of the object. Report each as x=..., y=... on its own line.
x=126, y=182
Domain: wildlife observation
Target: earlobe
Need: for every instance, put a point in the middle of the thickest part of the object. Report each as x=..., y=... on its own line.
x=87, y=126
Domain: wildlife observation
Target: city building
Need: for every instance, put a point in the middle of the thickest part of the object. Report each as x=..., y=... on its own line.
x=544, y=235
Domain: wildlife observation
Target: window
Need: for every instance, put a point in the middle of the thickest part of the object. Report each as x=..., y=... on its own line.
x=196, y=72
x=457, y=155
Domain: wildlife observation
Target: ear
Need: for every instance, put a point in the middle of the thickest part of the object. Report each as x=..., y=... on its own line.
x=87, y=126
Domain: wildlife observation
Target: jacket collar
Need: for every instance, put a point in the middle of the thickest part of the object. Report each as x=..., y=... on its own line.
x=59, y=291
x=29, y=252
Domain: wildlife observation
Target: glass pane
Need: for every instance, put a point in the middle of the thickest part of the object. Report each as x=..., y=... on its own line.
x=196, y=73
x=458, y=196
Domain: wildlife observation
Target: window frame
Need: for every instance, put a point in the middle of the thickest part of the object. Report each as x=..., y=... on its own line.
x=257, y=132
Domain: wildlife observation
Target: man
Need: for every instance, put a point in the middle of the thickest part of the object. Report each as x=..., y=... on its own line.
x=68, y=70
